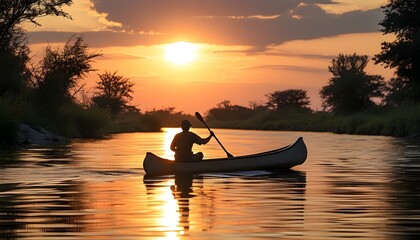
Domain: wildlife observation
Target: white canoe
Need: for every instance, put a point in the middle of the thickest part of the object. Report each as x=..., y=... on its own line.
x=282, y=158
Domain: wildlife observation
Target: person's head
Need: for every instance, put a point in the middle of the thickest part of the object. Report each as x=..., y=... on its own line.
x=185, y=125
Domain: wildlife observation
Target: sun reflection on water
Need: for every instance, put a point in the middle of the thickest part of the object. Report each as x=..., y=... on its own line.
x=170, y=217
x=167, y=219
x=169, y=134
x=173, y=205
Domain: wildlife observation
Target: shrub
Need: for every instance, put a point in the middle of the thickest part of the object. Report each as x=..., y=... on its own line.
x=9, y=125
x=91, y=122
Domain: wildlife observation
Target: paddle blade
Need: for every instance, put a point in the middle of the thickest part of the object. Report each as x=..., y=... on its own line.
x=198, y=115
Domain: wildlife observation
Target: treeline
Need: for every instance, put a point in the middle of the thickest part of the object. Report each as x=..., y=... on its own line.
x=47, y=93
x=376, y=120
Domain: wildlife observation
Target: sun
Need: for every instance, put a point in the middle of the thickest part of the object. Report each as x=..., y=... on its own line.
x=181, y=53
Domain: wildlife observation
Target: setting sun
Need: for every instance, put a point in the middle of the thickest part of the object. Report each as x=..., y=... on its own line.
x=181, y=52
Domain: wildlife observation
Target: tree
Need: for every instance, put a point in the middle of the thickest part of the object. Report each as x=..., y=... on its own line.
x=225, y=104
x=15, y=12
x=14, y=57
x=114, y=92
x=14, y=73
x=402, y=19
x=397, y=92
x=225, y=111
x=351, y=89
x=255, y=105
x=292, y=98
x=15, y=42
x=56, y=80
x=14, y=49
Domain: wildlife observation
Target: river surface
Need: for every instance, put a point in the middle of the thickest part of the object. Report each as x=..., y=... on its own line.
x=350, y=187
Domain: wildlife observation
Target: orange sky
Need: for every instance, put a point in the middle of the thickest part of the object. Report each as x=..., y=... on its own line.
x=242, y=54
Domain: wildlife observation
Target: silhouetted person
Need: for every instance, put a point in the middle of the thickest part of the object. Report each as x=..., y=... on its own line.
x=183, y=142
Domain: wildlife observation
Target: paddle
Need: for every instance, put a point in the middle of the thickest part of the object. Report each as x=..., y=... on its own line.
x=198, y=115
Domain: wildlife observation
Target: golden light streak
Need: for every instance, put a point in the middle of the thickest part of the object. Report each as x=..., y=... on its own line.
x=169, y=135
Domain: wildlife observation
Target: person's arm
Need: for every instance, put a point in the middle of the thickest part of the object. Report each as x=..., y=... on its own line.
x=205, y=140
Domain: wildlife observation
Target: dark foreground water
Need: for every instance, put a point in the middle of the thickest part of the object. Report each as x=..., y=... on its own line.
x=351, y=187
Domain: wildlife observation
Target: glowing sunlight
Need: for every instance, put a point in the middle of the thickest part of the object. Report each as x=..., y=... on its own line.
x=169, y=135
x=181, y=53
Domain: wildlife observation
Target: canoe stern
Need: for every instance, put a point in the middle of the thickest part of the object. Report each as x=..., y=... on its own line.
x=155, y=165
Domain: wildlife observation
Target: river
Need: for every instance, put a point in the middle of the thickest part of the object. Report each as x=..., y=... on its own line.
x=358, y=187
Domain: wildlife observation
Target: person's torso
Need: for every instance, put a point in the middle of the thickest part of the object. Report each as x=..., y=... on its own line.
x=184, y=143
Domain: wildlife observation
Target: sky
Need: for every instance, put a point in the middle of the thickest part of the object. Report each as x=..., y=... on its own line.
x=243, y=49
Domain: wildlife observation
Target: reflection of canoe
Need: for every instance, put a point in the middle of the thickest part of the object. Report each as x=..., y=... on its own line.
x=282, y=158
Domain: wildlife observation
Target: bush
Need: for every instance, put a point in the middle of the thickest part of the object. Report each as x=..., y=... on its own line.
x=91, y=122
x=71, y=121
x=9, y=125
x=134, y=122
x=75, y=121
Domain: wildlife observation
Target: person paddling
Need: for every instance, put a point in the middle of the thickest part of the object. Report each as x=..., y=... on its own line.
x=183, y=142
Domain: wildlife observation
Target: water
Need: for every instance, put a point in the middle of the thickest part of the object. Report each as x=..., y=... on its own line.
x=358, y=187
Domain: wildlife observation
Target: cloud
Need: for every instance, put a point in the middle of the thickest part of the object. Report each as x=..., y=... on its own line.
x=84, y=18
x=97, y=39
x=287, y=67
x=256, y=23
x=120, y=56
x=300, y=55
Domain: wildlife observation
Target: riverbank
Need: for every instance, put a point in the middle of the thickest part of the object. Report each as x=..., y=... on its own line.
x=20, y=135
x=396, y=122
x=31, y=135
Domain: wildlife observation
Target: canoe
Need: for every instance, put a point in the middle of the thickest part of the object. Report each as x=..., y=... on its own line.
x=282, y=158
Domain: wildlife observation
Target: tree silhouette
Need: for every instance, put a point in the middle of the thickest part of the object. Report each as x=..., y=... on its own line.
x=56, y=80
x=226, y=111
x=114, y=92
x=14, y=49
x=14, y=74
x=15, y=12
x=402, y=20
x=292, y=98
x=351, y=89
